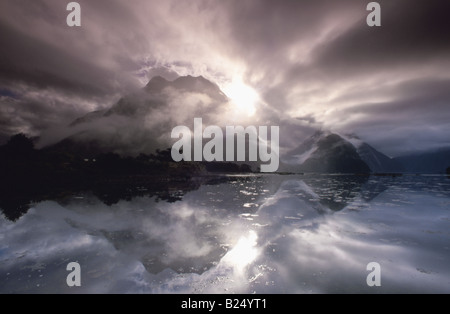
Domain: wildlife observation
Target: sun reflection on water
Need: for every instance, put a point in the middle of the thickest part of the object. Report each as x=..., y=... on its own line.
x=244, y=252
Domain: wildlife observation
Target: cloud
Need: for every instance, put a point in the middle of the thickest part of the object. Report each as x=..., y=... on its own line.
x=398, y=69
x=210, y=243
x=306, y=59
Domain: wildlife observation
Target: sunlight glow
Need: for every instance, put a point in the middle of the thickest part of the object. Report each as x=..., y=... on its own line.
x=244, y=253
x=243, y=96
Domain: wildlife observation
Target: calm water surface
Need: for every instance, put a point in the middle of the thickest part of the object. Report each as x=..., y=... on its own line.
x=262, y=234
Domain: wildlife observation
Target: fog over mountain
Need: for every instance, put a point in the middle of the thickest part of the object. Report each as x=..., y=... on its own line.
x=302, y=65
x=142, y=122
x=329, y=152
x=131, y=130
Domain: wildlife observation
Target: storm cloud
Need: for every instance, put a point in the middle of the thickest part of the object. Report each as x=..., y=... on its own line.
x=314, y=64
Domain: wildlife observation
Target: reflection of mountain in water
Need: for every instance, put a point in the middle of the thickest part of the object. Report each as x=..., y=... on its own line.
x=155, y=254
x=258, y=201
x=235, y=234
x=30, y=176
x=335, y=192
x=238, y=192
x=185, y=236
x=16, y=203
x=188, y=226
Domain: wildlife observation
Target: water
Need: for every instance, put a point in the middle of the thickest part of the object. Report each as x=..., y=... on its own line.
x=241, y=234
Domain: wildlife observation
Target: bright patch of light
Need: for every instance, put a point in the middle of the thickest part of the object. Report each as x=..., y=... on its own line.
x=243, y=96
x=244, y=252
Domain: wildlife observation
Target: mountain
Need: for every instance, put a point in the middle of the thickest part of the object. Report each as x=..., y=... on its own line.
x=91, y=116
x=159, y=92
x=327, y=152
x=188, y=84
x=87, y=149
x=142, y=122
x=428, y=162
x=377, y=161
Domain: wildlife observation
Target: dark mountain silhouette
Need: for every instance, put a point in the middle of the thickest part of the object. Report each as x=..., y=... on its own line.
x=154, y=95
x=188, y=84
x=124, y=129
x=141, y=122
x=88, y=117
x=157, y=84
x=28, y=175
x=87, y=149
x=327, y=152
x=377, y=161
x=335, y=155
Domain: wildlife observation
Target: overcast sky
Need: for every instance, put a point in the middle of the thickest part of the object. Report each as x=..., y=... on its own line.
x=315, y=61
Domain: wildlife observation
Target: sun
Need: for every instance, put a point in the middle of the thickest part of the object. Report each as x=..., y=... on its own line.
x=243, y=96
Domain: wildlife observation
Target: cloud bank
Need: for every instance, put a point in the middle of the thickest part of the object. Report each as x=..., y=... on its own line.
x=317, y=63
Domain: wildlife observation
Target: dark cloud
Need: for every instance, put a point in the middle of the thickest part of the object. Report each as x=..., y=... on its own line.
x=41, y=65
x=416, y=120
x=412, y=32
x=383, y=83
x=37, y=112
x=315, y=64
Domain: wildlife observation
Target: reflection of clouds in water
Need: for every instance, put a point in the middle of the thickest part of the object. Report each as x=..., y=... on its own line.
x=243, y=253
x=40, y=245
x=326, y=259
x=290, y=243
x=333, y=256
x=166, y=238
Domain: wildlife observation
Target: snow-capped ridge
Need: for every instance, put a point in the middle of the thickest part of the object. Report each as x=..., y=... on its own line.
x=327, y=151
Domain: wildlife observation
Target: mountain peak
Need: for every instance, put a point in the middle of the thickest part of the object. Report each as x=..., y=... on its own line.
x=157, y=84
x=331, y=152
x=158, y=78
x=189, y=83
x=193, y=82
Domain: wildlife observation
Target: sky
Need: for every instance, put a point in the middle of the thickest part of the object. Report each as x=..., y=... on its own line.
x=306, y=64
